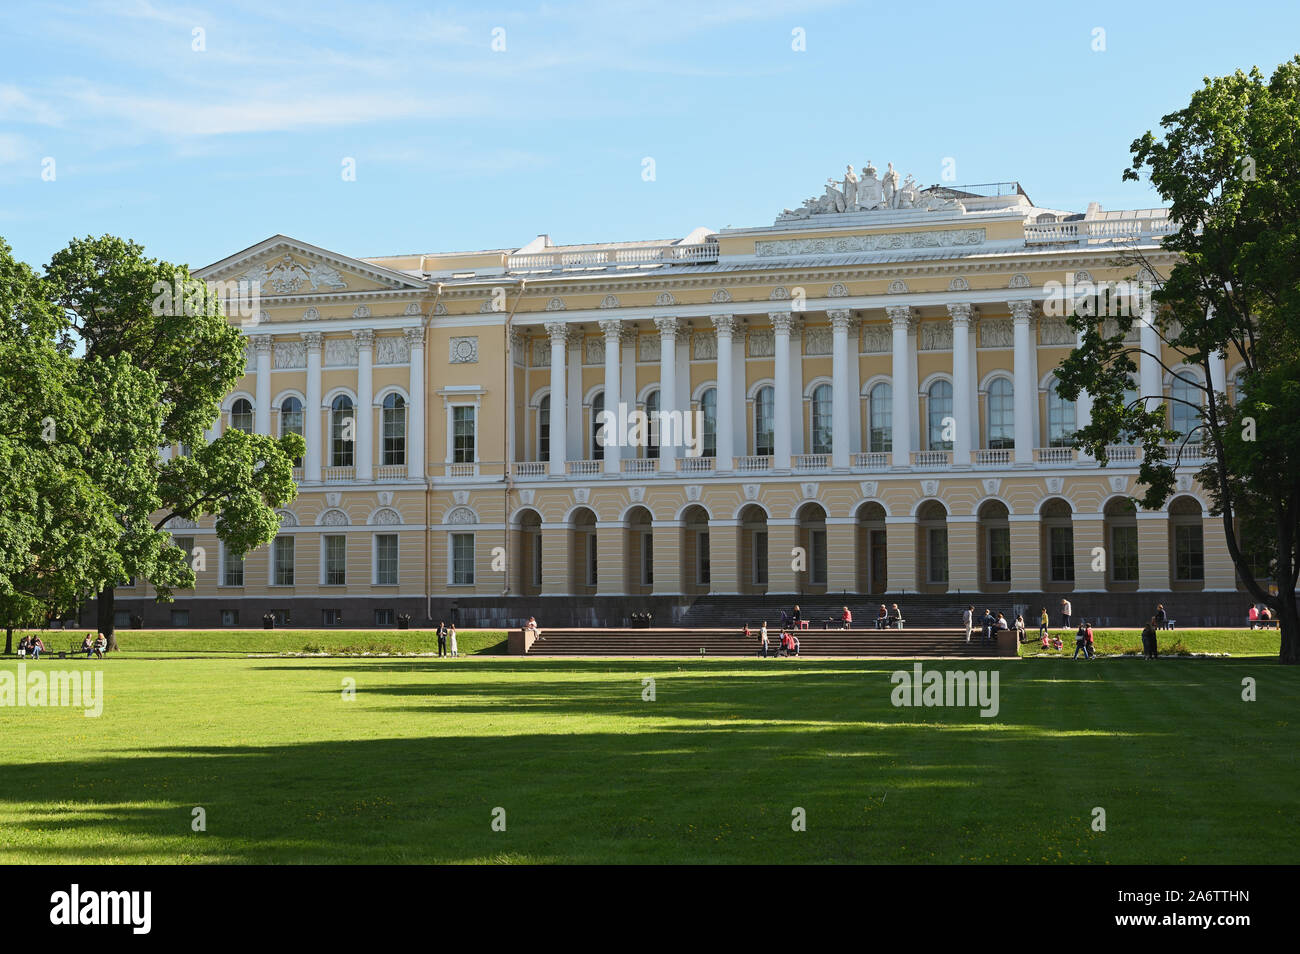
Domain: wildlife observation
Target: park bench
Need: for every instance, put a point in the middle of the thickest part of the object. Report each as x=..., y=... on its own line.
x=1262, y=623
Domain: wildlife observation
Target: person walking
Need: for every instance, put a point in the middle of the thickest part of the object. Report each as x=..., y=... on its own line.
x=1067, y=611
x=1081, y=642
x=442, y=638
x=968, y=620
x=1149, y=639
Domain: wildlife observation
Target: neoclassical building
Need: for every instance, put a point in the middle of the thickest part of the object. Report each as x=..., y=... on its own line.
x=865, y=388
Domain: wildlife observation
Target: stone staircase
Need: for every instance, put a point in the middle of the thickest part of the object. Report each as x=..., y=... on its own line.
x=919, y=609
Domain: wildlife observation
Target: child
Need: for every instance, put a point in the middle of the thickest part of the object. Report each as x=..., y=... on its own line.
x=1056, y=643
x=451, y=636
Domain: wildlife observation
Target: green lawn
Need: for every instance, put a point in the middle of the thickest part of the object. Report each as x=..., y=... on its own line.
x=1108, y=642
x=412, y=768
x=243, y=641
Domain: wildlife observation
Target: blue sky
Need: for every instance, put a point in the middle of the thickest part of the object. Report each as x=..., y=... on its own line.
x=201, y=153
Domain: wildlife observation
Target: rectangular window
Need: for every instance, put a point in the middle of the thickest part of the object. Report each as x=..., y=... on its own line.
x=384, y=617
x=647, y=559
x=395, y=435
x=121, y=619
x=233, y=571
x=336, y=560
x=1124, y=554
x=181, y=618
x=593, y=560
x=331, y=617
x=537, y=559
x=999, y=554
x=282, y=616
x=1061, y=554
x=817, y=559
x=760, y=558
x=1189, y=553
x=462, y=447
x=230, y=617
x=937, y=556
x=704, y=572
x=462, y=559
x=879, y=561
x=283, y=561
x=386, y=559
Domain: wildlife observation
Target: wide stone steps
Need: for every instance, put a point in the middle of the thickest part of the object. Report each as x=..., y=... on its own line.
x=727, y=642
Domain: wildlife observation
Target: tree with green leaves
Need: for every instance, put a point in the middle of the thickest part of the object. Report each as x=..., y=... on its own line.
x=1227, y=164
x=119, y=305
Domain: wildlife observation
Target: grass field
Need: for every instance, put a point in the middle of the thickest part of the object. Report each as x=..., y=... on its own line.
x=411, y=770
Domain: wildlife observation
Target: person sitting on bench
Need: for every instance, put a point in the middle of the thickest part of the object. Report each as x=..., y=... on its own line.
x=101, y=645
x=896, y=617
x=88, y=646
x=883, y=619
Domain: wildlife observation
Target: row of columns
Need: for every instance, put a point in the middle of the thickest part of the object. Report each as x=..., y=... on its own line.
x=315, y=410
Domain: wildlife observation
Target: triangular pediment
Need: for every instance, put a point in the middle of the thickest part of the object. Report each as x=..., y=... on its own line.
x=286, y=268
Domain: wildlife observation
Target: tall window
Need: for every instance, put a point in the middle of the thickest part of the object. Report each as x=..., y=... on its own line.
x=881, y=438
x=462, y=423
x=760, y=557
x=817, y=558
x=232, y=569
x=1061, y=422
x=394, y=430
x=283, y=548
x=241, y=416
x=1002, y=413
x=598, y=436
x=821, y=419
x=342, y=431
x=291, y=420
x=940, y=416
x=1239, y=386
x=386, y=559
x=1124, y=554
x=544, y=428
x=764, y=436
x=462, y=559
x=709, y=439
x=938, y=554
x=647, y=559
x=704, y=572
x=999, y=554
x=1185, y=404
x=336, y=559
x=1189, y=553
x=1061, y=557
x=652, y=415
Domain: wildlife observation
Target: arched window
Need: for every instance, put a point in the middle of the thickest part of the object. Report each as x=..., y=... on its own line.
x=764, y=424
x=544, y=428
x=1185, y=404
x=241, y=416
x=821, y=419
x=342, y=431
x=1002, y=413
x=940, y=415
x=652, y=415
x=597, y=427
x=1061, y=422
x=709, y=412
x=394, y=430
x=881, y=438
x=291, y=420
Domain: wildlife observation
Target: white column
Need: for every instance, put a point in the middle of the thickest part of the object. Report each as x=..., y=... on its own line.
x=900, y=316
x=840, y=442
x=725, y=327
x=415, y=466
x=1148, y=363
x=668, y=438
x=262, y=345
x=613, y=329
x=1022, y=313
x=559, y=333
x=963, y=387
x=312, y=412
x=781, y=322
x=365, y=411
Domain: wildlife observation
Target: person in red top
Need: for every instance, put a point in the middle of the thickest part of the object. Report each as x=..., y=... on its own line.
x=846, y=618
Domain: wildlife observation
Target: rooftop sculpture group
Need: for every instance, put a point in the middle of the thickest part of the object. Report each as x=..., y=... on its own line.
x=870, y=194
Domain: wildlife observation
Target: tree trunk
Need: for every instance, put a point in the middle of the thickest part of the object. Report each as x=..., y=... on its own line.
x=105, y=612
x=9, y=640
x=1288, y=622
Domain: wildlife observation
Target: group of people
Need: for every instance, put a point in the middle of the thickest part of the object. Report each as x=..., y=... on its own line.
x=887, y=618
x=30, y=645
x=447, y=634
x=95, y=647
x=788, y=645
x=1259, y=616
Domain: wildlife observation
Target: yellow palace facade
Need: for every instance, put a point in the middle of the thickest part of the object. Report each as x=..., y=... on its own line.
x=863, y=388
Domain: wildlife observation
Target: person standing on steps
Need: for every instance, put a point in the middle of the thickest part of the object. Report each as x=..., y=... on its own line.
x=968, y=620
